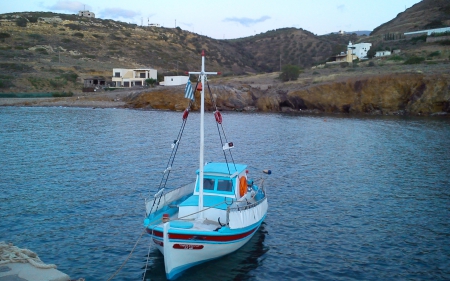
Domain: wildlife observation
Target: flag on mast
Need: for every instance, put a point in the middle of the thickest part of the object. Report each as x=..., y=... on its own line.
x=188, y=92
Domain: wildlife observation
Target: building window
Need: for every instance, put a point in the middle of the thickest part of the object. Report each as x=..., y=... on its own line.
x=117, y=74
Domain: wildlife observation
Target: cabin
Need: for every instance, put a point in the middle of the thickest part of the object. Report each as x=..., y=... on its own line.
x=127, y=78
x=223, y=184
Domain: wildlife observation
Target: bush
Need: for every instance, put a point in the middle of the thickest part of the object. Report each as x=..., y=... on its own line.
x=371, y=64
x=396, y=58
x=6, y=83
x=78, y=34
x=22, y=22
x=42, y=51
x=289, y=72
x=73, y=26
x=344, y=64
x=150, y=82
x=414, y=60
x=434, y=54
x=4, y=35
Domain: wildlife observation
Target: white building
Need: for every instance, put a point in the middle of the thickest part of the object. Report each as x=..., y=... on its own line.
x=174, y=80
x=123, y=77
x=382, y=54
x=360, y=50
x=86, y=13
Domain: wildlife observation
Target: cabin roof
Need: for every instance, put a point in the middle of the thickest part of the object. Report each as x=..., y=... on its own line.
x=222, y=168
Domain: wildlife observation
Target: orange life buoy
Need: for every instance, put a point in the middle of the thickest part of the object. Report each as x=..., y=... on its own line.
x=242, y=186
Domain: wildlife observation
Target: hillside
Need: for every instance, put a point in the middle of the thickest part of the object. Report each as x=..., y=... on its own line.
x=42, y=46
x=427, y=14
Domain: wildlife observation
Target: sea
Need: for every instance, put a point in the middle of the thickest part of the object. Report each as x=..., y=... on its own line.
x=350, y=197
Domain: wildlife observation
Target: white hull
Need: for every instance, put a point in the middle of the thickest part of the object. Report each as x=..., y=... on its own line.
x=180, y=255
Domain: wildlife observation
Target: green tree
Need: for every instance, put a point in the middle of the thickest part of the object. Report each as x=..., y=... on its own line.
x=371, y=53
x=150, y=82
x=289, y=72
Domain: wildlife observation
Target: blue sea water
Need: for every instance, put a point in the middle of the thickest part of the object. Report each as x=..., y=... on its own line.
x=350, y=198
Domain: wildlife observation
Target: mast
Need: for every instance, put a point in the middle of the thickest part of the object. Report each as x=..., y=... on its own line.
x=203, y=75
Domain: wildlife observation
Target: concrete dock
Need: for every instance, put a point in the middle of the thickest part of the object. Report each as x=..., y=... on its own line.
x=18, y=264
x=27, y=272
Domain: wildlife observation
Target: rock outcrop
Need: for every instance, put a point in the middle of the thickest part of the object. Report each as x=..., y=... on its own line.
x=391, y=94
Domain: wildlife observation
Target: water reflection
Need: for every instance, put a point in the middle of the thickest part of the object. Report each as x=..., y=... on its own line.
x=236, y=266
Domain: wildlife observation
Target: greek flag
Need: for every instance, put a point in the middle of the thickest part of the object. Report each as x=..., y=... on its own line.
x=188, y=92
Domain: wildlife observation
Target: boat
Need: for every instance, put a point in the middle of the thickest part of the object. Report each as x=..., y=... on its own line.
x=214, y=215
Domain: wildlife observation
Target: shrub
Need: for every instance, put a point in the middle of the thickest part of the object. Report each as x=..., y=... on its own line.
x=69, y=76
x=22, y=22
x=73, y=26
x=35, y=36
x=434, y=54
x=289, y=72
x=6, y=83
x=78, y=34
x=414, y=60
x=419, y=38
x=4, y=35
x=66, y=40
x=396, y=58
x=42, y=51
x=344, y=64
x=371, y=64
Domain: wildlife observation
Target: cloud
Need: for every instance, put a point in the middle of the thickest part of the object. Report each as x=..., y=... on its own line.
x=341, y=8
x=246, y=21
x=72, y=6
x=118, y=13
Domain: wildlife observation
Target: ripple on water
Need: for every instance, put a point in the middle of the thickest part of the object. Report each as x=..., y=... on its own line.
x=350, y=198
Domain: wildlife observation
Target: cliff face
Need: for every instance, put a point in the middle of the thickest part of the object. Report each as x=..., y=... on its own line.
x=393, y=94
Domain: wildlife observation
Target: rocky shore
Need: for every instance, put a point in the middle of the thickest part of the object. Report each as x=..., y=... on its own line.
x=412, y=93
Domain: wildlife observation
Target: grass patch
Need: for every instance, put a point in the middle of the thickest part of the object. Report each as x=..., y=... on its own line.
x=15, y=67
x=414, y=60
x=396, y=58
x=78, y=34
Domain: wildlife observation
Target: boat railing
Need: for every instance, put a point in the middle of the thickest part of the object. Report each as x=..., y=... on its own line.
x=163, y=199
x=245, y=215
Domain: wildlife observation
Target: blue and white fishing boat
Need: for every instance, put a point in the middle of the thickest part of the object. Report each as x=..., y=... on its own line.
x=211, y=217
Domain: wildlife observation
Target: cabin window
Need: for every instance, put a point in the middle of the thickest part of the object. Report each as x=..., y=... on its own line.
x=217, y=185
x=224, y=185
x=208, y=184
x=117, y=74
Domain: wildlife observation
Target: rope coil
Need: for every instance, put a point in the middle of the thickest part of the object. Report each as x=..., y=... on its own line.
x=12, y=254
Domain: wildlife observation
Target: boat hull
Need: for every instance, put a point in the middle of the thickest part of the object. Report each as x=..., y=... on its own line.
x=183, y=249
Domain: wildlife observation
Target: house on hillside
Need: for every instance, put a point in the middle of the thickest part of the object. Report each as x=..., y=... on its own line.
x=174, y=80
x=360, y=50
x=86, y=14
x=379, y=54
x=92, y=84
x=123, y=77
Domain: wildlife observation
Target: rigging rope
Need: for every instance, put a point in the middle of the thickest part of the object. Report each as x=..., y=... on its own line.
x=171, y=160
x=213, y=101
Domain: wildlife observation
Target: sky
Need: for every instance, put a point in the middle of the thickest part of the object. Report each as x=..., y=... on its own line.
x=230, y=19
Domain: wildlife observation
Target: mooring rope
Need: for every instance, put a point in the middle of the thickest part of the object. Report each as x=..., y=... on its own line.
x=11, y=254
